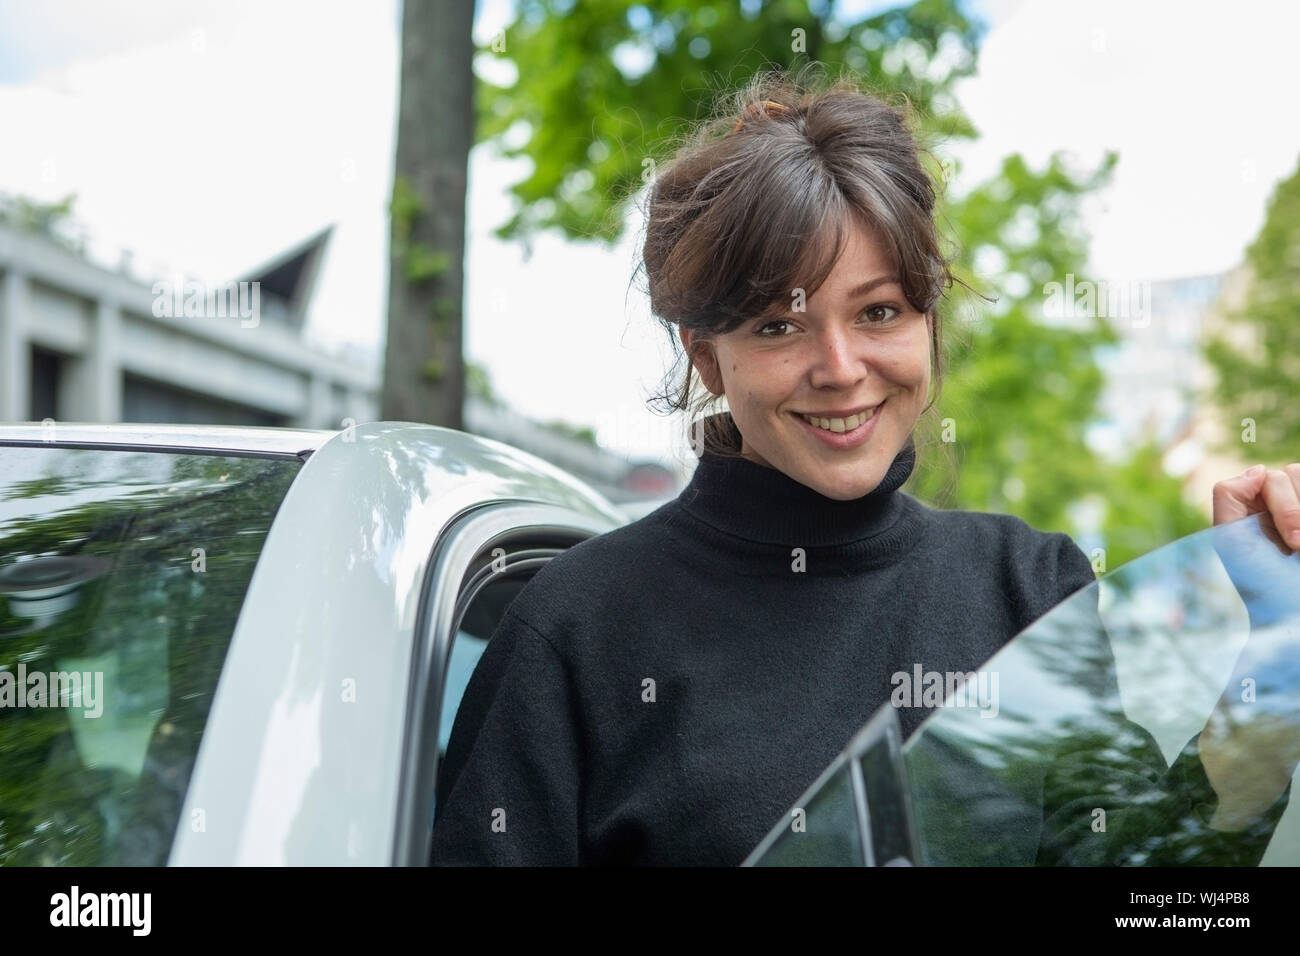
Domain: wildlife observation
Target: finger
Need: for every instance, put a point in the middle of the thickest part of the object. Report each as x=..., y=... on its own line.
x=1282, y=498
x=1291, y=527
x=1238, y=497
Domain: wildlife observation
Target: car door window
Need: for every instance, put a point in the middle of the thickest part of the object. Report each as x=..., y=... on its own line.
x=1093, y=704
x=122, y=575
x=479, y=564
x=485, y=598
x=466, y=650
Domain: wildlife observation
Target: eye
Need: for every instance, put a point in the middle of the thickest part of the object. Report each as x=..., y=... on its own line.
x=768, y=325
x=868, y=311
x=882, y=306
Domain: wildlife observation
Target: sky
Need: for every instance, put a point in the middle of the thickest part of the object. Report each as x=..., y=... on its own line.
x=206, y=137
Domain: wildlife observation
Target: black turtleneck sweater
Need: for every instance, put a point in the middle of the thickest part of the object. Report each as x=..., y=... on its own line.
x=664, y=693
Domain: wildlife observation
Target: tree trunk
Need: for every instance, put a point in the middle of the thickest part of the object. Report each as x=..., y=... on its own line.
x=424, y=377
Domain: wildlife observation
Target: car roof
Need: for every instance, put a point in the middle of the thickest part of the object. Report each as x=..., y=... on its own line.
x=532, y=477
x=248, y=439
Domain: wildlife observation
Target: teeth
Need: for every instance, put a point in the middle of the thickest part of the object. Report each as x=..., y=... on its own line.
x=841, y=424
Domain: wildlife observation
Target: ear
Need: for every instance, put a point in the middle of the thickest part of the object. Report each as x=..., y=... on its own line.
x=705, y=361
x=930, y=378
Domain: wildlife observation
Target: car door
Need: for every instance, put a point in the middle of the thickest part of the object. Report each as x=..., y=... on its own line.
x=478, y=567
x=1087, y=750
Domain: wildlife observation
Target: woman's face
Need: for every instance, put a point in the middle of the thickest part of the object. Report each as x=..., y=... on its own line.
x=854, y=348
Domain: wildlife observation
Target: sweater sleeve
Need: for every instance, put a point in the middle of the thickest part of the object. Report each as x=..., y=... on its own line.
x=509, y=784
x=1110, y=800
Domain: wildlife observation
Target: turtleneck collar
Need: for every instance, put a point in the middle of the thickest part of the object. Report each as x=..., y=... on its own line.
x=762, y=504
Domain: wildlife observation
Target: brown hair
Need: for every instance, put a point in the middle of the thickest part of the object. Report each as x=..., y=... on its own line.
x=756, y=203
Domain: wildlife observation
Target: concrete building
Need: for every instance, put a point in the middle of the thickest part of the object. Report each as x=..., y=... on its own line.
x=82, y=341
x=1207, y=447
x=1152, y=377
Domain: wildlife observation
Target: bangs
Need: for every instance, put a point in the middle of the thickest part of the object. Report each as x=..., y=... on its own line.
x=790, y=242
x=738, y=222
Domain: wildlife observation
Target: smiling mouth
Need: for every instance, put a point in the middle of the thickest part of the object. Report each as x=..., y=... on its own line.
x=840, y=425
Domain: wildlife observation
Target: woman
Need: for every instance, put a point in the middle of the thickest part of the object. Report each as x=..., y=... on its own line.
x=661, y=694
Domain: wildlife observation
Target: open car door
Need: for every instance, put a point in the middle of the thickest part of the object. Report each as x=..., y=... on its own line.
x=1090, y=752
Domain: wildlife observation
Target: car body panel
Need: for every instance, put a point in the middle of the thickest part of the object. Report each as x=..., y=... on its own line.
x=302, y=760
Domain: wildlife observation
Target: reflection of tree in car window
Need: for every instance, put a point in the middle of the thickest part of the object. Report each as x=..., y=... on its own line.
x=1080, y=783
x=108, y=790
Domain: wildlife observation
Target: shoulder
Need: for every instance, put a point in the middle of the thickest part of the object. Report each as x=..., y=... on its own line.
x=997, y=530
x=613, y=558
x=1039, y=568
x=598, y=581
x=1004, y=534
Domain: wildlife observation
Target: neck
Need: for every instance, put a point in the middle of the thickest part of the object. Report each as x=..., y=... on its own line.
x=758, y=503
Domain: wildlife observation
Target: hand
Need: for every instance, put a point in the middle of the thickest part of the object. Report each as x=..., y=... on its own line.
x=1273, y=494
x=1267, y=583
x=1250, y=747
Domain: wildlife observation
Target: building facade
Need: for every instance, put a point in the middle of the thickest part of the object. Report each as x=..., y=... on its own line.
x=80, y=342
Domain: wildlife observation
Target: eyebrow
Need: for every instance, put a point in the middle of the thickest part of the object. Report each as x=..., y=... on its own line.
x=865, y=287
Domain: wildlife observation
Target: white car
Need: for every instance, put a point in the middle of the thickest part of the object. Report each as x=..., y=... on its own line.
x=262, y=623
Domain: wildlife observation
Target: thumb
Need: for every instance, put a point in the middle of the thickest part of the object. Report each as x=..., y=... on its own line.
x=1239, y=497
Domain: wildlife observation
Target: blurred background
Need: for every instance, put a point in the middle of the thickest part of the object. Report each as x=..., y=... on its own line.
x=436, y=204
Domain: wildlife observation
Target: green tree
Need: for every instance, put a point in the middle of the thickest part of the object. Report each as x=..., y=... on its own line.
x=1257, y=381
x=478, y=383
x=1019, y=391
x=594, y=117
x=45, y=219
x=1145, y=507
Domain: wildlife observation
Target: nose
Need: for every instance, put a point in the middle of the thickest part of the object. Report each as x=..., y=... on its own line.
x=838, y=362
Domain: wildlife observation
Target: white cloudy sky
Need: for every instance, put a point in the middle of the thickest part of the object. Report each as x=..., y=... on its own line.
x=207, y=136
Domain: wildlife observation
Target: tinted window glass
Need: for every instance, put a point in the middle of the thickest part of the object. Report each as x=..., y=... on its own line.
x=824, y=833
x=1091, y=752
x=121, y=577
x=1093, y=746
